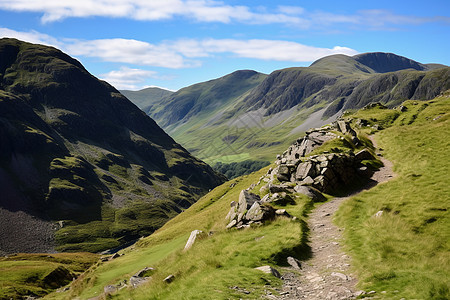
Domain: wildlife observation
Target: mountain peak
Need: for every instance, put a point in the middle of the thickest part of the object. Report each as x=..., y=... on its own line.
x=382, y=62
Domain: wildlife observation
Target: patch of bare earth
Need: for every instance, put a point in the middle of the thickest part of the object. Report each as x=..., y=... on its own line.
x=327, y=275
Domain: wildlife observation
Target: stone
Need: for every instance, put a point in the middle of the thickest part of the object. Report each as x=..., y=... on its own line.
x=260, y=213
x=246, y=200
x=269, y=270
x=114, y=256
x=169, y=278
x=284, y=170
x=295, y=263
x=311, y=192
x=191, y=239
x=307, y=181
x=278, y=188
x=144, y=271
x=378, y=214
x=282, y=212
x=109, y=289
x=232, y=213
x=304, y=170
x=339, y=275
x=364, y=154
x=283, y=177
x=283, y=199
x=266, y=198
x=136, y=281
x=231, y=224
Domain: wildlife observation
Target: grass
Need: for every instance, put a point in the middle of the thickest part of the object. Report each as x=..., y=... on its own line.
x=24, y=274
x=219, y=259
x=406, y=252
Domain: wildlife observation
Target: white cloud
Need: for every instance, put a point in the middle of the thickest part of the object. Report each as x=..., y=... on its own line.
x=147, y=10
x=211, y=11
x=31, y=36
x=183, y=53
x=127, y=78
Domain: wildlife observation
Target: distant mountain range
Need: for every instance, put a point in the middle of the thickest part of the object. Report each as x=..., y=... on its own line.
x=78, y=156
x=251, y=115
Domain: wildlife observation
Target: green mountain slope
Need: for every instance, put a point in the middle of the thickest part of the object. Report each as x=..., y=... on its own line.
x=403, y=253
x=73, y=149
x=258, y=120
x=146, y=97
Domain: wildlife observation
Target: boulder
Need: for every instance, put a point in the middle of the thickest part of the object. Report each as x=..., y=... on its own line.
x=304, y=170
x=191, y=239
x=311, y=192
x=137, y=281
x=269, y=270
x=283, y=199
x=246, y=200
x=144, y=271
x=295, y=263
x=260, y=213
x=364, y=155
x=278, y=188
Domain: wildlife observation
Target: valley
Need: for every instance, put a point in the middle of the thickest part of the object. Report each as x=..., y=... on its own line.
x=345, y=193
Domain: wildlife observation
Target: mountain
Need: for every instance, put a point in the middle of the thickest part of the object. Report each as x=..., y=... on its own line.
x=146, y=97
x=81, y=167
x=395, y=234
x=263, y=118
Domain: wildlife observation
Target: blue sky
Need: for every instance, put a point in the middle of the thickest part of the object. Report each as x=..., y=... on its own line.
x=134, y=44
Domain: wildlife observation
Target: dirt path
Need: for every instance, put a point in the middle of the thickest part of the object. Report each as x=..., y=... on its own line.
x=327, y=275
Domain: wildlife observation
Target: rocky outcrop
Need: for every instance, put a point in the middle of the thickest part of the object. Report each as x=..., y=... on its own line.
x=296, y=174
x=249, y=210
x=326, y=172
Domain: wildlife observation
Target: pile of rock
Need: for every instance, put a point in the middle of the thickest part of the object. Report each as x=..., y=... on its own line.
x=327, y=172
x=251, y=209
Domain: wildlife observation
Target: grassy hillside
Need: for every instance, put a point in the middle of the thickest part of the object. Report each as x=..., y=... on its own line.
x=38, y=274
x=237, y=117
x=73, y=149
x=405, y=252
x=146, y=97
x=219, y=259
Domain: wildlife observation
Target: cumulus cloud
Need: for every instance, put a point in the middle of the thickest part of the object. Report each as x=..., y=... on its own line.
x=198, y=10
x=183, y=53
x=127, y=78
x=211, y=11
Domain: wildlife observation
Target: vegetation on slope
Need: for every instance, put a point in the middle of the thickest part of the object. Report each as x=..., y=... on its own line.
x=406, y=251
x=219, y=260
x=236, y=117
x=73, y=149
x=36, y=275
x=236, y=169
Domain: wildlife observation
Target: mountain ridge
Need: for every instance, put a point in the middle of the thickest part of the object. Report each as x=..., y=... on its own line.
x=74, y=149
x=285, y=99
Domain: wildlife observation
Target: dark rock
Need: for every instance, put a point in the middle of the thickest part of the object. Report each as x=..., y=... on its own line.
x=364, y=155
x=278, y=188
x=295, y=263
x=311, y=192
x=283, y=199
